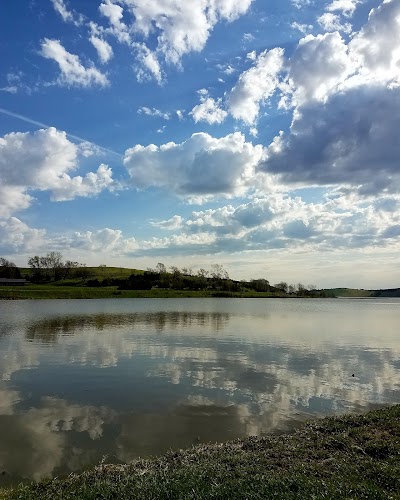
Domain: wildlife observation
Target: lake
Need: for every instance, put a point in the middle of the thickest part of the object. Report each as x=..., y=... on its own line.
x=81, y=380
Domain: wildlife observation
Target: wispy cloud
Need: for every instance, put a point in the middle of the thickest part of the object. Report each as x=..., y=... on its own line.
x=45, y=125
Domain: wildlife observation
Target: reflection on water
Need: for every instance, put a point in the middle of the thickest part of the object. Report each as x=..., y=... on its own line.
x=84, y=379
x=49, y=330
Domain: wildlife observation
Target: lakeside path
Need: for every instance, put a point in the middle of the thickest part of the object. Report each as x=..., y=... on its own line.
x=351, y=456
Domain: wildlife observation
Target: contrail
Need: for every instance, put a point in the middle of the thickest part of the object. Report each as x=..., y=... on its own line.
x=41, y=124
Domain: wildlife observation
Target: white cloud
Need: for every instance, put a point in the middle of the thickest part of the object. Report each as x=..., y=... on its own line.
x=347, y=102
x=281, y=221
x=147, y=66
x=10, y=89
x=301, y=3
x=153, y=112
x=68, y=16
x=42, y=160
x=72, y=70
x=178, y=27
x=253, y=131
x=15, y=236
x=13, y=199
x=104, y=49
x=346, y=7
x=332, y=22
x=255, y=86
x=15, y=83
x=202, y=165
x=102, y=240
x=319, y=64
x=376, y=48
x=171, y=225
x=303, y=28
x=209, y=111
x=115, y=13
x=248, y=37
x=37, y=158
x=68, y=188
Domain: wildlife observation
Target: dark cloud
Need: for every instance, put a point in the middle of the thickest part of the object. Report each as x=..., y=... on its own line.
x=351, y=139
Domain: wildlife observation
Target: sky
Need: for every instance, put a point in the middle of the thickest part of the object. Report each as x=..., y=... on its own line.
x=260, y=135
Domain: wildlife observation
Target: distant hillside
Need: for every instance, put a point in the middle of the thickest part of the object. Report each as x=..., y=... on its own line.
x=348, y=292
x=354, y=292
x=390, y=292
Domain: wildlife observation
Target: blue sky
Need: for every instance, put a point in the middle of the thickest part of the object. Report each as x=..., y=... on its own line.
x=259, y=135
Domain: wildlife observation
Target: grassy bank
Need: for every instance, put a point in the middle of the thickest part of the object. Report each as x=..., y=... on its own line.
x=73, y=291
x=343, y=457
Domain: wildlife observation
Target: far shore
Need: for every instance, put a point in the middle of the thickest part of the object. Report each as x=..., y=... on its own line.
x=43, y=292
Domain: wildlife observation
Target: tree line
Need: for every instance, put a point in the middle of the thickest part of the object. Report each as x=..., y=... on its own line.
x=52, y=267
x=49, y=267
x=216, y=278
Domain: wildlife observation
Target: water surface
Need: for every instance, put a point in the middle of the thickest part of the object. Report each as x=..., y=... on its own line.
x=80, y=380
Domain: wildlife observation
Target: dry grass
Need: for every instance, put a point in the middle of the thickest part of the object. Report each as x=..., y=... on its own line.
x=340, y=457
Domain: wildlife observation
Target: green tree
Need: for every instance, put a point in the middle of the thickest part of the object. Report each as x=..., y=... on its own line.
x=8, y=269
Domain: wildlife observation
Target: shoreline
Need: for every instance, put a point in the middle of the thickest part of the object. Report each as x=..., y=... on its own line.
x=43, y=292
x=349, y=456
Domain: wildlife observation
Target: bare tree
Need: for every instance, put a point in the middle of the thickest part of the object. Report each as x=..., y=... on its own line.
x=218, y=272
x=160, y=268
x=282, y=285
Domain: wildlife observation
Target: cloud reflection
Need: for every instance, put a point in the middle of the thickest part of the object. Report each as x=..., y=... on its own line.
x=179, y=377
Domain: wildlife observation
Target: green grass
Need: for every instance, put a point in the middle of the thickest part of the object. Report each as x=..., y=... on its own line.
x=61, y=291
x=73, y=289
x=348, y=457
x=97, y=272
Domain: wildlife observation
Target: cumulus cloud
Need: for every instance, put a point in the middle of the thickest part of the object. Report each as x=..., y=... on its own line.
x=36, y=159
x=43, y=160
x=345, y=101
x=324, y=64
x=202, y=165
x=283, y=221
x=68, y=188
x=332, y=22
x=351, y=139
x=13, y=199
x=376, y=48
x=256, y=85
x=178, y=27
x=319, y=64
x=15, y=235
x=115, y=13
x=73, y=72
x=109, y=240
x=209, y=110
x=346, y=7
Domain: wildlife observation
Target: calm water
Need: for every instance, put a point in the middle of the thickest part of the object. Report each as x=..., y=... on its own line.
x=80, y=380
